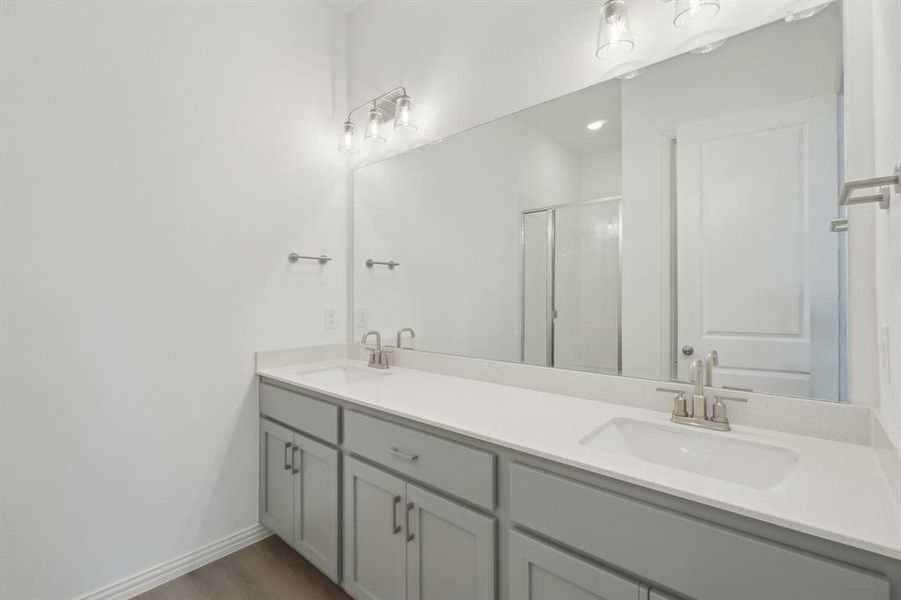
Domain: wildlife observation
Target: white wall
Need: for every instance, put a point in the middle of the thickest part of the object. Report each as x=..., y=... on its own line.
x=159, y=161
x=873, y=147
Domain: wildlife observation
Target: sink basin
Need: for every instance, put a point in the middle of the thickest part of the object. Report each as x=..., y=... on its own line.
x=346, y=374
x=752, y=464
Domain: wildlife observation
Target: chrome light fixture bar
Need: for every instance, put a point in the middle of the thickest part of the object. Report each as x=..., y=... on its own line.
x=393, y=105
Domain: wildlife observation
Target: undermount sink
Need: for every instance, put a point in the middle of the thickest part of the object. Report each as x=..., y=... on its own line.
x=343, y=374
x=752, y=464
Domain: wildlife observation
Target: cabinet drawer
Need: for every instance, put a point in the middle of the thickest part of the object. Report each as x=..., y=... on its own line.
x=318, y=418
x=540, y=572
x=454, y=468
x=671, y=549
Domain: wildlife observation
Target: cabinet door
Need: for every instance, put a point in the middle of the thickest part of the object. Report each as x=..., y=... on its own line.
x=374, y=540
x=450, y=549
x=316, y=503
x=277, y=479
x=541, y=572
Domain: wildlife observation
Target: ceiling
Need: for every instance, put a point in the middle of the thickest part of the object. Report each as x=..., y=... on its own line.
x=564, y=119
x=345, y=6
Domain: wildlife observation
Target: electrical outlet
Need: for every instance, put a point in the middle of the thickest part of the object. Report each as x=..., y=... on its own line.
x=362, y=316
x=331, y=318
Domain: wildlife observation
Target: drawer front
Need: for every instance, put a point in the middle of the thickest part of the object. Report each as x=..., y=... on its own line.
x=318, y=418
x=454, y=468
x=671, y=549
x=540, y=572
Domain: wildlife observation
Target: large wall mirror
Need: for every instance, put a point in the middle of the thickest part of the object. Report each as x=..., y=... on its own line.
x=631, y=227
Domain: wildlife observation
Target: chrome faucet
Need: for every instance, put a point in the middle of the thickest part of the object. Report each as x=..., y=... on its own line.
x=400, y=332
x=378, y=358
x=695, y=412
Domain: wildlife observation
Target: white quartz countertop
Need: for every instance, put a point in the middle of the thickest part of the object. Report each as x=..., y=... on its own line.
x=837, y=490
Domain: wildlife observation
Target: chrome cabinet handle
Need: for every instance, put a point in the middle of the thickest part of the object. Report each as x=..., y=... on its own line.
x=404, y=454
x=395, y=528
x=688, y=350
x=407, y=521
x=287, y=460
x=294, y=461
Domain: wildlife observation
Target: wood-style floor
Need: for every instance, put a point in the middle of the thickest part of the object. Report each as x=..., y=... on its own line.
x=267, y=570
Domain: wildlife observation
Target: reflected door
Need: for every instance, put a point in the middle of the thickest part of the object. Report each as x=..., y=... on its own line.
x=757, y=274
x=571, y=287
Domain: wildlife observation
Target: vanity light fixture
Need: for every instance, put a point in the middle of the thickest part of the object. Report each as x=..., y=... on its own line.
x=692, y=12
x=799, y=15
x=403, y=108
x=394, y=105
x=373, y=127
x=348, y=145
x=708, y=47
x=595, y=125
x=614, y=33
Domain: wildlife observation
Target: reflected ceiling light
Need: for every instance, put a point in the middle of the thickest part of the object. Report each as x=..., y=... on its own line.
x=692, y=12
x=402, y=109
x=394, y=104
x=348, y=145
x=373, y=127
x=595, y=125
x=708, y=48
x=614, y=33
x=631, y=74
x=799, y=15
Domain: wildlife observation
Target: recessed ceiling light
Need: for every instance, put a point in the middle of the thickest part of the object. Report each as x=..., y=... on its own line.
x=707, y=48
x=595, y=125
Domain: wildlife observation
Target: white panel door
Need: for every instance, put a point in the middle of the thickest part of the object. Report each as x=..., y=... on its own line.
x=316, y=503
x=374, y=540
x=450, y=549
x=757, y=272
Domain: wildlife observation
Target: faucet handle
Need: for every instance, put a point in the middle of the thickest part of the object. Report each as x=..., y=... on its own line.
x=719, y=407
x=680, y=403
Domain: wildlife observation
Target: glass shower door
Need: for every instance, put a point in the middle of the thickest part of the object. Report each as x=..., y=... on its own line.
x=571, y=287
x=587, y=287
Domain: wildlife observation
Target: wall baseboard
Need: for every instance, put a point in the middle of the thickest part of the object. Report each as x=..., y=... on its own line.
x=160, y=574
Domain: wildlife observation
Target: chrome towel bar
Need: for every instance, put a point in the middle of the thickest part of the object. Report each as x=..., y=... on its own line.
x=322, y=258
x=883, y=197
x=390, y=264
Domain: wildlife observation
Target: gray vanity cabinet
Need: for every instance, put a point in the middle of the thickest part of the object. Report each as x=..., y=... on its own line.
x=316, y=506
x=277, y=479
x=402, y=542
x=374, y=538
x=450, y=549
x=299, y=493
x=541, y=572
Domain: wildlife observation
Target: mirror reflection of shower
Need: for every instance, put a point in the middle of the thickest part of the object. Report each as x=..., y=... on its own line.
x=571, y=288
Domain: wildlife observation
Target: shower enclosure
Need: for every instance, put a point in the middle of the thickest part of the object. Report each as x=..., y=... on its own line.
x=571, y=291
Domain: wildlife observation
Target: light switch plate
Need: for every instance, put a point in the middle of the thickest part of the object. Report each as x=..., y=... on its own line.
x=331, y=317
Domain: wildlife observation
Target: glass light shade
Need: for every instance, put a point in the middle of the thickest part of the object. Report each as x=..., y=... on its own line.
x=402, y=109
x=374, y=128
x=708, y=48
x=348, y=145
x=800, y=15
x=692, y=12
x=614, y=33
